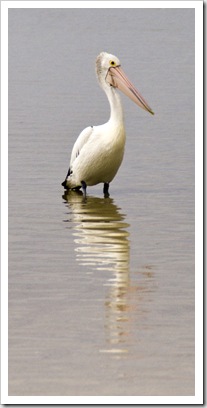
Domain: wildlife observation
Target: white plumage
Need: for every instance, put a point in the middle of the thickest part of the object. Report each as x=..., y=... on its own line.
x=98, y=152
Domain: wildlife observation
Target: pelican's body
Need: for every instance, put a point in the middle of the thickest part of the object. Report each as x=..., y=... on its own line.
x=98, y=152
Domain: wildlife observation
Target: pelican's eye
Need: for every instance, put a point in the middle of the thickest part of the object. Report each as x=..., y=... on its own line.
x=112, y=63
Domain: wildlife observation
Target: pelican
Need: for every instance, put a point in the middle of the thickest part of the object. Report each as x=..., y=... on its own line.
x=98, y=152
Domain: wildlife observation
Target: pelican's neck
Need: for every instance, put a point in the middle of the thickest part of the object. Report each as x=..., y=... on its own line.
x=117, y=113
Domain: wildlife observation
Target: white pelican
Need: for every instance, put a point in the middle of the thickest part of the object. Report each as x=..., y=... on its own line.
x=99, y=150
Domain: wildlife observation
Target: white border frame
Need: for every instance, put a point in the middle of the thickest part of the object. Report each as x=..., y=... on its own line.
x=198, y=398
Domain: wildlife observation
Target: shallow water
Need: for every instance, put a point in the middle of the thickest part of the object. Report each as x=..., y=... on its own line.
x=101, y=292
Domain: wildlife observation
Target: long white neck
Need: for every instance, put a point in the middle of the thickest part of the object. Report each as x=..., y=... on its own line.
x=117, y=113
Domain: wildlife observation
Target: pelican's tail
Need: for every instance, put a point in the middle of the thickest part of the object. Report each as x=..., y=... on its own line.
x=64, y=184
x=69, y=184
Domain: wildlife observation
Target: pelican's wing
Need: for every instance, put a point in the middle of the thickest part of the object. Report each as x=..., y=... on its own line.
x=80, y=142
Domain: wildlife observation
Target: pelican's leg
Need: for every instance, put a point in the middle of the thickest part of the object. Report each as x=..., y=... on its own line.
x=106, y=190
x=84, y=186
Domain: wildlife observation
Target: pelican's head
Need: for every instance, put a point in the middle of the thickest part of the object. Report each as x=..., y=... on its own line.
x=109, y=71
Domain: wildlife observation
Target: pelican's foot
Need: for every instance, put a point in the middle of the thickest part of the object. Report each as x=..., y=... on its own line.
x=106, y=190
x=84, y=186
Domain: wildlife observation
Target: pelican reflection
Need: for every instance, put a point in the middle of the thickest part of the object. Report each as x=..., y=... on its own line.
x=100, y=234
x=102, y=244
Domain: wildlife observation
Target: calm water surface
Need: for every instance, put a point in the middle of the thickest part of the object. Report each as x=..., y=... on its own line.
x=101, y=292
